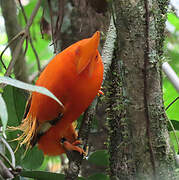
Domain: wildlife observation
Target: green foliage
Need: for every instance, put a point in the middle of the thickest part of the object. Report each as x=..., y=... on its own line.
x=172, y=46
x=42, y=47
x=33, y=159
x=98, y=176
x=29, y=87
x=3, y=113
x=175, y=124
x=15, y=100
x=42, y=175
x=173, y=20
x=100, y=158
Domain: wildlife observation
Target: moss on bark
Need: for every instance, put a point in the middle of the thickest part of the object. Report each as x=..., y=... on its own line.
x=139, y=143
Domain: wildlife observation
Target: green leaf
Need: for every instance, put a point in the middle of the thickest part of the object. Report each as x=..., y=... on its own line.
x=29, y=87
x=16, y=99
x=100, y=158
x=175, y=125
x=81, y=178
x=173, y=140
x=15, y=102
x=42, y=175
x=3, y=113
x=33, y=158
x=173, y=20
x=98, y=176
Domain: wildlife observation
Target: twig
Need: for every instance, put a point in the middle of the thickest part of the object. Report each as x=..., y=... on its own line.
x=9, y=43
x=75, y=159
x=26, y=46
x=20, y=43
x=41, y=26
x=51, y=24
x=7, y=161
x=177, y=141
x=86, y=122
x=5, y=172
x=172, y=76
x=30, y=38
x=14, y=58
x=10, y=151
x=172, y=103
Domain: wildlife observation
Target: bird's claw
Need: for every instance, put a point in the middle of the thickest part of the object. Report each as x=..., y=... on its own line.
x=73, y=147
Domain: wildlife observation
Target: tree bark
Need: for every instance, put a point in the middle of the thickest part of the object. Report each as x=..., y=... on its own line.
x=9, y=12
x=139, y=141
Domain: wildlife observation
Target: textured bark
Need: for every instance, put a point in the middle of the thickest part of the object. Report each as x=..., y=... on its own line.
x=86, y=17
x=138, y=146
x=9, y=12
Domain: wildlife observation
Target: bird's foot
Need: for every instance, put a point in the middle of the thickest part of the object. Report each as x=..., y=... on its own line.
x=73, y=147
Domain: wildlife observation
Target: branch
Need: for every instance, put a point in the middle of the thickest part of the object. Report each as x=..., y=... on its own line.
x=172, y=76
x=10, y=151
x=52, y=25
x=5, y=172
x=14, y=58
x=30, y=38
x=75, y=159
x=108, y=48
x=21, y=41
x=9, y=43
x=5, y=158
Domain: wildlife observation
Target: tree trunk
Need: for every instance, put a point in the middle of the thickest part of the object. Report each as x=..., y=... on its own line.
x=9, y=12
x=139, y=141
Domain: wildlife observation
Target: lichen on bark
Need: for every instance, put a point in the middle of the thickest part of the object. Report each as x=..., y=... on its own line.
x=138, y=146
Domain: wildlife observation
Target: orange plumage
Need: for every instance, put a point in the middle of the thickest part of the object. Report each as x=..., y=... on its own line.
x=74, y=76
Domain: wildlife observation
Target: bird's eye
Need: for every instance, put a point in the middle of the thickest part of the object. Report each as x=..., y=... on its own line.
x=62, y=140
x=96, y=57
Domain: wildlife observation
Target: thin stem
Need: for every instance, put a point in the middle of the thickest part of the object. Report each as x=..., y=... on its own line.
x=171, y=103
x=30, y=38
x=7, y=160
x=177, y=141
x=9, y=43
x=10, y=151
x=5, y=172
x=20, y=43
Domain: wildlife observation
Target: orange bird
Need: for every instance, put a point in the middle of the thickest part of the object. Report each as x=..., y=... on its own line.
x=74, y=76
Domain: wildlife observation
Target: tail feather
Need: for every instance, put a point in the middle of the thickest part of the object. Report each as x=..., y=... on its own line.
x=29, y=128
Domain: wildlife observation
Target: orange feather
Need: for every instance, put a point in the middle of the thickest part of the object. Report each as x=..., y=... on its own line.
x=74, y=76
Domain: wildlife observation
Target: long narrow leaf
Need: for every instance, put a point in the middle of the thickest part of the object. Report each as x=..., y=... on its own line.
x=42, y=175
x=3, y=113
x=29, y=87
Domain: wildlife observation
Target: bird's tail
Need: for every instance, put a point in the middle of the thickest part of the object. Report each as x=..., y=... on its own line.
x=29, y=129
